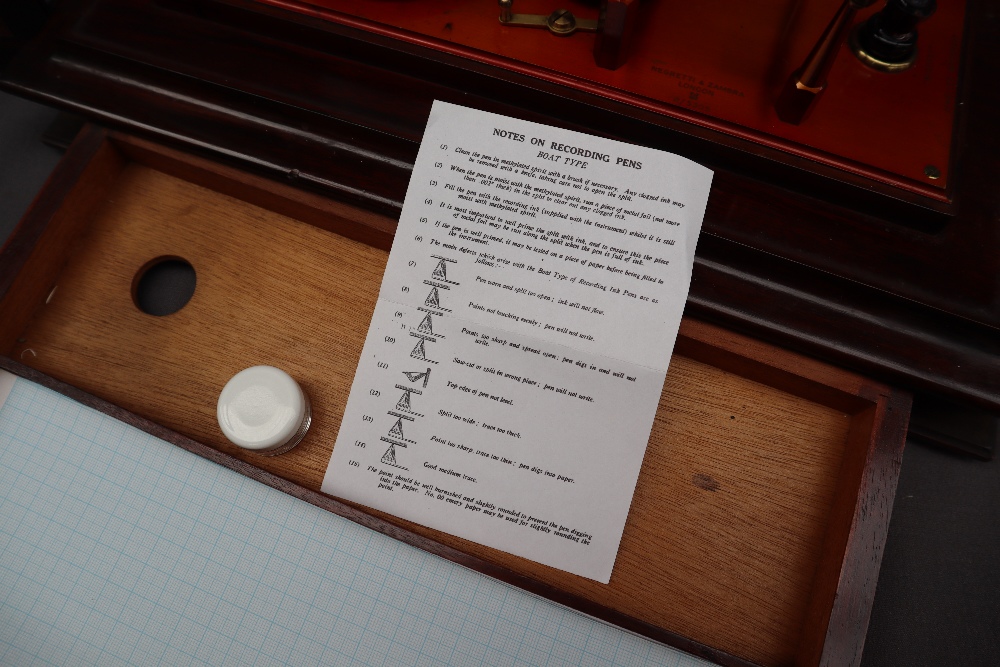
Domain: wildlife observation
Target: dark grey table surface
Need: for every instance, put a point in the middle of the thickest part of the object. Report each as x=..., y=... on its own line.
x=938, y=598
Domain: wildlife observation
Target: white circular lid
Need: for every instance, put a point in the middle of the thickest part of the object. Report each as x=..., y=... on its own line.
x=261, y=408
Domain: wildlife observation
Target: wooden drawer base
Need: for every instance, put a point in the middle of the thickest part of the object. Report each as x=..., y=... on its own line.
x=756, y=530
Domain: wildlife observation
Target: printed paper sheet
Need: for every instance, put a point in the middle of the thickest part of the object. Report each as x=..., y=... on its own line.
x=517, y=353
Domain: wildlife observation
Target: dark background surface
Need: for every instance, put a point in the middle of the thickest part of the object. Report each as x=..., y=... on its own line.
x=938, y=598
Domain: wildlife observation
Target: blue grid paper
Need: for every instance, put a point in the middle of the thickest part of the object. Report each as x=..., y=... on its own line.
x=117, y=548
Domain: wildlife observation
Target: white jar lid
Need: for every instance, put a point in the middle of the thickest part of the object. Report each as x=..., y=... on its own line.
x=263, y=409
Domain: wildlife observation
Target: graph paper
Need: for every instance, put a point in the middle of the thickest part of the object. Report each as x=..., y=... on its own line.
x=117, y=548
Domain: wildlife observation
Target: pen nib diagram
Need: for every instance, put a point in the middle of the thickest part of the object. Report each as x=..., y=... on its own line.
x=432, y=300
x=420, y=352
x=416, y=376
x=389, y=458
x=405, y=402
x=440, y=271
x=426, y=325
x=397, y=430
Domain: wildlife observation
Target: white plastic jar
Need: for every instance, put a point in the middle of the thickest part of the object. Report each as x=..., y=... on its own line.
x=263, y=410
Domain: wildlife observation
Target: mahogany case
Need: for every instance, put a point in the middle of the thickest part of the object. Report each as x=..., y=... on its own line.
x=799, y=248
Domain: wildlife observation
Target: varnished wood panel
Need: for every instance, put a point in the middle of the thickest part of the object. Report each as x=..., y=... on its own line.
x=716, y=63
x=37, y=250
x=731, y=511
x=253, y=304
x=804, y=256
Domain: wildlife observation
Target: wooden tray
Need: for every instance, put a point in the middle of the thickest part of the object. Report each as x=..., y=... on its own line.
x=759, y=518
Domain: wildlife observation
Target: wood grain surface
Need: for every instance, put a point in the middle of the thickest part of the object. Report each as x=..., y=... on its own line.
x=806, y=257
x=731, y=509
x=763, y=467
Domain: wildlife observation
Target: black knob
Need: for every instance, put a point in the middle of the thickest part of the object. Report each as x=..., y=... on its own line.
x=889, y=37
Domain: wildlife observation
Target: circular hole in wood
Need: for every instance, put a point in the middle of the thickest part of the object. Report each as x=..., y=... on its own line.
x=163, y=285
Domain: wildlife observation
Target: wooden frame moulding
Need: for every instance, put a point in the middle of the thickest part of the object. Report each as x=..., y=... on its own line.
x=852, y=518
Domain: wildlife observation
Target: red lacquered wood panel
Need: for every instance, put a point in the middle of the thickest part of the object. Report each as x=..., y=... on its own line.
x=720, y=64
